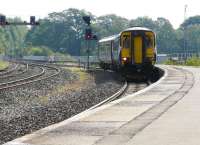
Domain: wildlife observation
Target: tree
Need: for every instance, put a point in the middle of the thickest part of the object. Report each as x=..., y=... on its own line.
x=109, y=25
x=12, y=38
x=143, y=22
x=189, y=33
x=195, y=20
x=166, y=36
x=60, y=30
x=193, y=39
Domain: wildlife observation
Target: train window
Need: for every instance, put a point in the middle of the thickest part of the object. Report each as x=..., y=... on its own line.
x=149, y=39
x=126, y=41
x=149, y=42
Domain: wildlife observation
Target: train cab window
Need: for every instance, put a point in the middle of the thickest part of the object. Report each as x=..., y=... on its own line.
x=149, y=42
x=126, y=41
x=149, y=39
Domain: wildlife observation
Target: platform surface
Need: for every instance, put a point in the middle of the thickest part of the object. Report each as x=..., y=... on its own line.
x=166, y=113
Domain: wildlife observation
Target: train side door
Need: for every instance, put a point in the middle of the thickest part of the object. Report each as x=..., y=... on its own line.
x=111, y=51
x=137, y=49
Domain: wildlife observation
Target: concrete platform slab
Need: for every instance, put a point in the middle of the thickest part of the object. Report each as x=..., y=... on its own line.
x=64, y=140
x=112, y=114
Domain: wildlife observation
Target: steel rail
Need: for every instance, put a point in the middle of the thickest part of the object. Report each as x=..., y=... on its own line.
x=13, y=75
x=9, y=71
x=29, y=80
x=21, y=80
x=113, y=97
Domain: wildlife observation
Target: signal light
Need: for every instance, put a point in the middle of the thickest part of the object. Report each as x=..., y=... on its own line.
x=88, y=34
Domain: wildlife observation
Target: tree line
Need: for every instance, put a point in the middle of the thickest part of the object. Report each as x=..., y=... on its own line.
x=63, y=32
x=12, y=38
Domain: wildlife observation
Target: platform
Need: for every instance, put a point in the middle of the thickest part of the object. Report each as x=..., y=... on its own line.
x=165, y=113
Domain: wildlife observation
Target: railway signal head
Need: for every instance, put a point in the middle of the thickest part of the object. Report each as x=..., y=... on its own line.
x=2, y=20
x=87, y=19
x=88, y=34
x=32, y=20
x=95, y=37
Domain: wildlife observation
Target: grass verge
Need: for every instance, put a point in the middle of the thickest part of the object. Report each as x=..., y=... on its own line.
x=193, y=61
x=3, y=65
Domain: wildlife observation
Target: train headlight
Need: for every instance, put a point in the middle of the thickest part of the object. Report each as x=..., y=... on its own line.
x=124, y=58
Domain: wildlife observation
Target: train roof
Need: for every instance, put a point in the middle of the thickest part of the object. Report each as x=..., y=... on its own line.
x=113, y=37
x=109, y=38
x=138, y=29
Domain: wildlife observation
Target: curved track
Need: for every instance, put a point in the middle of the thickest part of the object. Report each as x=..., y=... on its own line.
x=43, y=74
x=129, y=87
x=18, y=71
x=9, y=70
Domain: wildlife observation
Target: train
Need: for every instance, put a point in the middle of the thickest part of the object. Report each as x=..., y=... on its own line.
x=132, y=51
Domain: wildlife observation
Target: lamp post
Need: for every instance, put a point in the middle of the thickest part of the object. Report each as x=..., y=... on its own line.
x=184, y=33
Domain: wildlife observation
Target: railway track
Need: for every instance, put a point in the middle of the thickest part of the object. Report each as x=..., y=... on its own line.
x=43, y=74
x=9, y=70
x=129, y=87
x=133, y=87
x=23, y=68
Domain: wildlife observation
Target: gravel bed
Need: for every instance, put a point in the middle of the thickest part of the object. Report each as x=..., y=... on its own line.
x=34, y=106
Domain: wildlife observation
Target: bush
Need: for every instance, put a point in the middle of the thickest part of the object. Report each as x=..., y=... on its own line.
x=194, y=61
x=40, y=51
x=171, y=62
x=3, y=65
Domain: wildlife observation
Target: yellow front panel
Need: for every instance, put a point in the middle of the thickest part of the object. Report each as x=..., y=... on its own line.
x=125, y=52
x=150, y=44
x=138, y=49
x=126, y=45
x=149, y=52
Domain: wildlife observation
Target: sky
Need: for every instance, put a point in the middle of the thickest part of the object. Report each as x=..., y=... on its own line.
x=173, y=10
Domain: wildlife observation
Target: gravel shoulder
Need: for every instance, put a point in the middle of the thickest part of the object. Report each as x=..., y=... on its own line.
x=34, y=106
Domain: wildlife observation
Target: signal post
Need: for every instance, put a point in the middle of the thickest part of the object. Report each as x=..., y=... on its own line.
x=88, y=36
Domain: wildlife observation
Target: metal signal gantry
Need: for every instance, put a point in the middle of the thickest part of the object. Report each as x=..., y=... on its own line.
x=4, y=22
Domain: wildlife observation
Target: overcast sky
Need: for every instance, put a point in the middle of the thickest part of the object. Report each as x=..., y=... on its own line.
x=131, y=9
